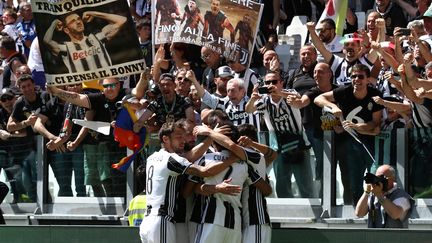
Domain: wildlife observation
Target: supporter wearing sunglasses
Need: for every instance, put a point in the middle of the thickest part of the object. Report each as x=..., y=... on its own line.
x=362, y=115
x=98, y=157
x=286, y=123
x=7, y=99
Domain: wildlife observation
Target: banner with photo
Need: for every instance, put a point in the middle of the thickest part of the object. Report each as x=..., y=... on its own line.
x=227, y=26
x=86, y=40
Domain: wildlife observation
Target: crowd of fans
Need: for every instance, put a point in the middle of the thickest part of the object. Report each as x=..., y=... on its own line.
x=363, y=85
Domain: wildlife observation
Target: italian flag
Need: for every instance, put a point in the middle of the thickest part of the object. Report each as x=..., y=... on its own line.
x=336, y=10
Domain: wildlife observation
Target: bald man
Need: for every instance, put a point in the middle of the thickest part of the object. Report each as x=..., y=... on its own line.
x=322, y=75
x=387, y=207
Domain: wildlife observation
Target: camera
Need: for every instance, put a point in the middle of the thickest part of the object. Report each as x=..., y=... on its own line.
x=370, y=178
x=263, y=90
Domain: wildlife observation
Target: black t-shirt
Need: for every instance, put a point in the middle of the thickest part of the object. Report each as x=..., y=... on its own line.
x=316, y=111
x=104, y=110
x=394, y=17
x=4, y=117
x=162, y=110
x=353, y=109
x=22, y=108
x=302, y=81
x=55, y=115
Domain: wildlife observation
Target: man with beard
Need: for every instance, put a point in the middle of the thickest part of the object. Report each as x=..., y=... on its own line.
x=244, y=29
x=363, y=117
x=215, y=22
x=83, y=53
x=352, y=55
x=327, y=34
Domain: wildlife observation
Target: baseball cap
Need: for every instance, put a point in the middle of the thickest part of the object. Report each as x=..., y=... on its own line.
x=350, y=38
x=7, y=92
x=224, y=72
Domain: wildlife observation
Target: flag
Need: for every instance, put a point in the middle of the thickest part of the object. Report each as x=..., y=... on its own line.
x=124, y=134
x=336, y=10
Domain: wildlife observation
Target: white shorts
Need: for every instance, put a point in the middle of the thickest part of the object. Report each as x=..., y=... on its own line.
x=193, y=228
x=182, y=233
x=257, y=234
x=212, y=233
x=157, y=229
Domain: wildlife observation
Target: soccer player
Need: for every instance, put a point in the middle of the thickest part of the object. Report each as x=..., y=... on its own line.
x=163, y=168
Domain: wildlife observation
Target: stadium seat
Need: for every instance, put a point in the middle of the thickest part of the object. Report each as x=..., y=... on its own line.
x=361, y=20
x=297, y=32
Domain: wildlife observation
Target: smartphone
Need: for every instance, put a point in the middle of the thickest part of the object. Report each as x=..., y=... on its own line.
x=263, y=90
x=404, y=31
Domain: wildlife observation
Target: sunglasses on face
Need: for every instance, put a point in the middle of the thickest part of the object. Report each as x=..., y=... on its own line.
x=360, y=76
x=7, y=98
x=273, y=81
x=112, y=86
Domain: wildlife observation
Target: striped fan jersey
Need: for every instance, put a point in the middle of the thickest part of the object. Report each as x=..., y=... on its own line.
x=341, y=68
x=422, y=114
x=279, y=116
x=163, y=183
x=86, y=55
x=236, y=113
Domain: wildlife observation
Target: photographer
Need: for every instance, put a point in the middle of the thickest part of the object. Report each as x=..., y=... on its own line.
x=388, y=206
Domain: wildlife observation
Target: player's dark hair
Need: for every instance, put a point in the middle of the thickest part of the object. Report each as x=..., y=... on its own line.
x=220, y=118
x=330, y=22
x=168, y=128
x=215, y=116
x=249, y=131
x=361, y=68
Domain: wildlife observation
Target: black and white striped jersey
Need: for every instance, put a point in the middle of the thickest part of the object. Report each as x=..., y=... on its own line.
x=236, y=113
x=86, y=55
x=221, y=209
x=341, y=68
x=162, y=182
x=253, y=201
x=250, y=79
x=279, y=116
x=422, y=114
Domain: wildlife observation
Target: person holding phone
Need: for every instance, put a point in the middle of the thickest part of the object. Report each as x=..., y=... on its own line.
x=293, y=147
